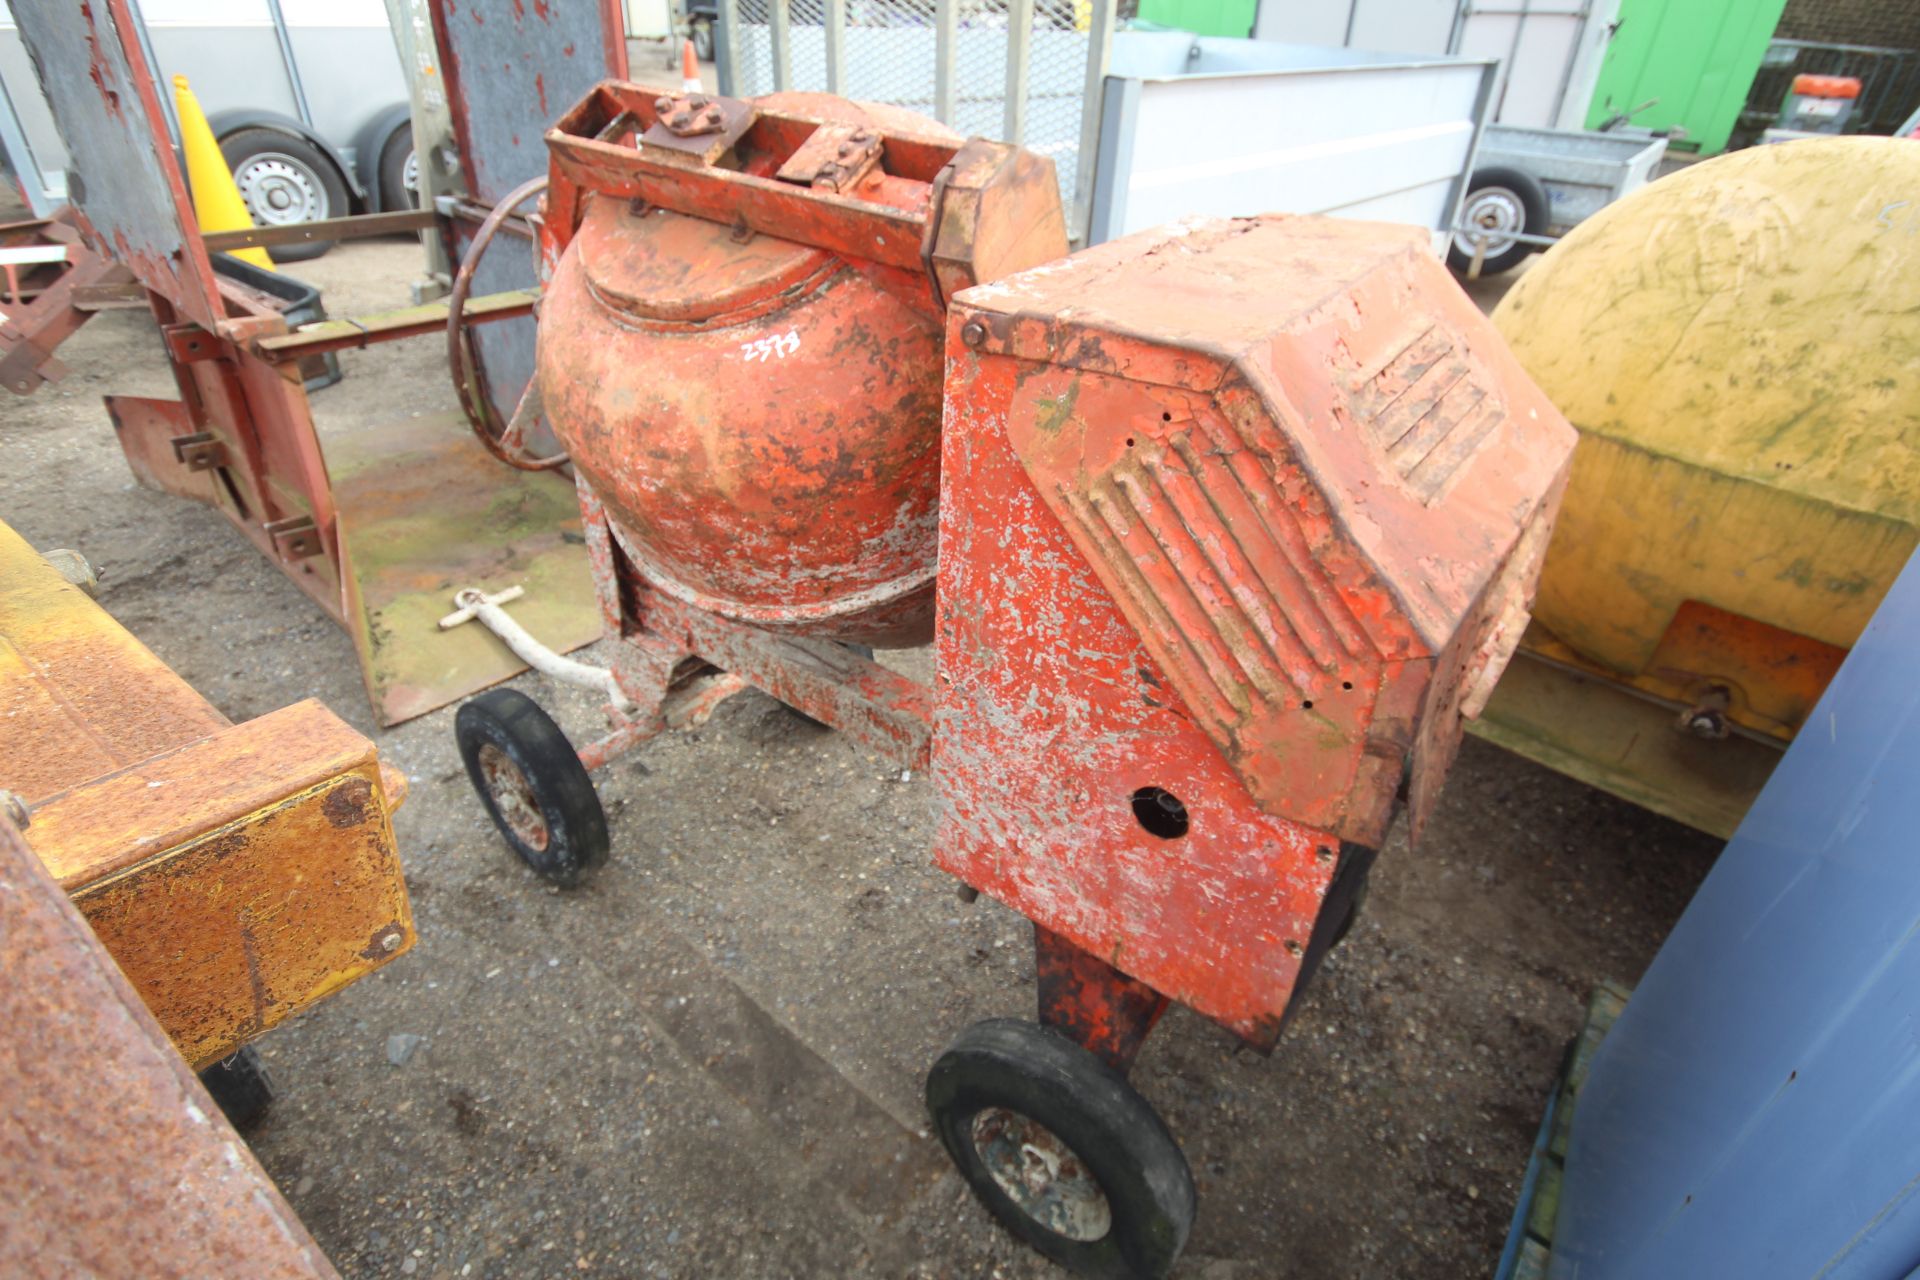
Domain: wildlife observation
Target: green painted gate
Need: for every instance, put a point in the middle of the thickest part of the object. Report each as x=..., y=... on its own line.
x=1698, y=57
x=1202, y=17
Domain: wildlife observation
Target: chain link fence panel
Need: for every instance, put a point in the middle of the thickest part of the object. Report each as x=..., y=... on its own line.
x=892, y=50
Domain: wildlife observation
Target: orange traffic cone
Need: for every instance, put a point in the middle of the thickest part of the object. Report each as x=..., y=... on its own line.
x=216, y=198
x=689, y=69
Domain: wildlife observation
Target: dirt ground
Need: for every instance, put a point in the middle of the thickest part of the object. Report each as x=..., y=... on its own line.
x=708, y=1061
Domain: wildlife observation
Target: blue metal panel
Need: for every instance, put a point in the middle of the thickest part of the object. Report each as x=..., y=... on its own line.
x=511, y=67
x=1756, y=1110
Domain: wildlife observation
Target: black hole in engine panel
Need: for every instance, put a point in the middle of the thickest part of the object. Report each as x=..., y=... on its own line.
x=1160, y=812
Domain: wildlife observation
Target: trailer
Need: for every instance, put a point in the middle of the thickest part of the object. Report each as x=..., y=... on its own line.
x=306, y=97
x=1532, y=186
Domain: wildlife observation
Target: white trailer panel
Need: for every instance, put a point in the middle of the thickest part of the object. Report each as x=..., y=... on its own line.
x=1226, y=127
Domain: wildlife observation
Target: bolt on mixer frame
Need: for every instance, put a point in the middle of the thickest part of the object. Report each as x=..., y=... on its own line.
x=1238, y=521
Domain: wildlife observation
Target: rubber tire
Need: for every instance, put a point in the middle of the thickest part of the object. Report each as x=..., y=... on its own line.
x=238, y=147
x=240, y=1084
x=1354, y=908
x=394, y=195
x=1115, y=1132
x=1533, y=202
x=576, y=824
x=702, y=38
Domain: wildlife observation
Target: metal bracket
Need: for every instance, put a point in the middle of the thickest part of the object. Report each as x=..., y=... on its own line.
x=697, y=127
x=936, y=205
x=294, y=538
x=187, y=343
x=835, y=157
x=201, y=451
x=690, y=115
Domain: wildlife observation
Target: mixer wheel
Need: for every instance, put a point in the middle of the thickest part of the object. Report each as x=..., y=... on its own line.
x=1062, y=1150
x=533, y=784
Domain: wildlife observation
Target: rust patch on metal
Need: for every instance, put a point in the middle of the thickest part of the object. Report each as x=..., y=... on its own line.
x=350, y=804
x=387, y=943
x=1098, y=1007
x=112, y=1156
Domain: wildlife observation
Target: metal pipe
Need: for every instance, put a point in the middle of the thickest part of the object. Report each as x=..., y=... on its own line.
x=946, y=84
x=835, y=18
x=1585, y=17
x=1462, y=9
x=780, y=32
x=726, y=50
x=474, y=605
x=281, y=34
x=1099, y=53
x=1513, y=52
x=1019, y=50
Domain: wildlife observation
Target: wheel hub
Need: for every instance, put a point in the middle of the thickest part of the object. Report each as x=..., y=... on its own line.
x=514, y=798
x=279, y=190
x=1041, y=1174
x=1496, y=213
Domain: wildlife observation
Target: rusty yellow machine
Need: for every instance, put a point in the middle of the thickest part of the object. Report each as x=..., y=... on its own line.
x=1236, y=521
x=237, y=873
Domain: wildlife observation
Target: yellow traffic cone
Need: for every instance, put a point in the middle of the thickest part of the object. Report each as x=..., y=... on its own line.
x=216, y=197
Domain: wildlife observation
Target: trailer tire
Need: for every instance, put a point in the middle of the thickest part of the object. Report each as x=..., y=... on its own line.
x=1499, y=198
x=533, y=785
x=240, y=1084
x=397, y=164
x=284, y=180
x=702, y=40
x=1037, y=1126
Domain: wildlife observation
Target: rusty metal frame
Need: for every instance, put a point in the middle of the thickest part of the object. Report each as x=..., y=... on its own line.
x=668, y=650
x=173, y=829
x=37, y=322
x=112, y=1155
x=241, y=436
x=917, y=211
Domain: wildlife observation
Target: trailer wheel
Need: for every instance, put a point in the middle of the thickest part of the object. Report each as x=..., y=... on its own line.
x=702, y=40
x=1062, y=1150
x=399, y=171
x=1500, y=202
x=240, y=1084
x=533, y=785
x=284, y=180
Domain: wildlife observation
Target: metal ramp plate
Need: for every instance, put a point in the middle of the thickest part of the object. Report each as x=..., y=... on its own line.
x=423, y=512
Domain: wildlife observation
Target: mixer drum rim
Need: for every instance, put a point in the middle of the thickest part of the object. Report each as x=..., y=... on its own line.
x=779, y=616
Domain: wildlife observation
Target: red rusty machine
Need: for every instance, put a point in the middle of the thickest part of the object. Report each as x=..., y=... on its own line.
x=1237, y=521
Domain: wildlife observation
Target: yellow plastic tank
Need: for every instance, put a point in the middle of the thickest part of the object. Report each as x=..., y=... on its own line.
x=1739, y=345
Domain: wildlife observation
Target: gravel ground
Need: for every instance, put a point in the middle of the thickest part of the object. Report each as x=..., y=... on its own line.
x=708, y=1061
